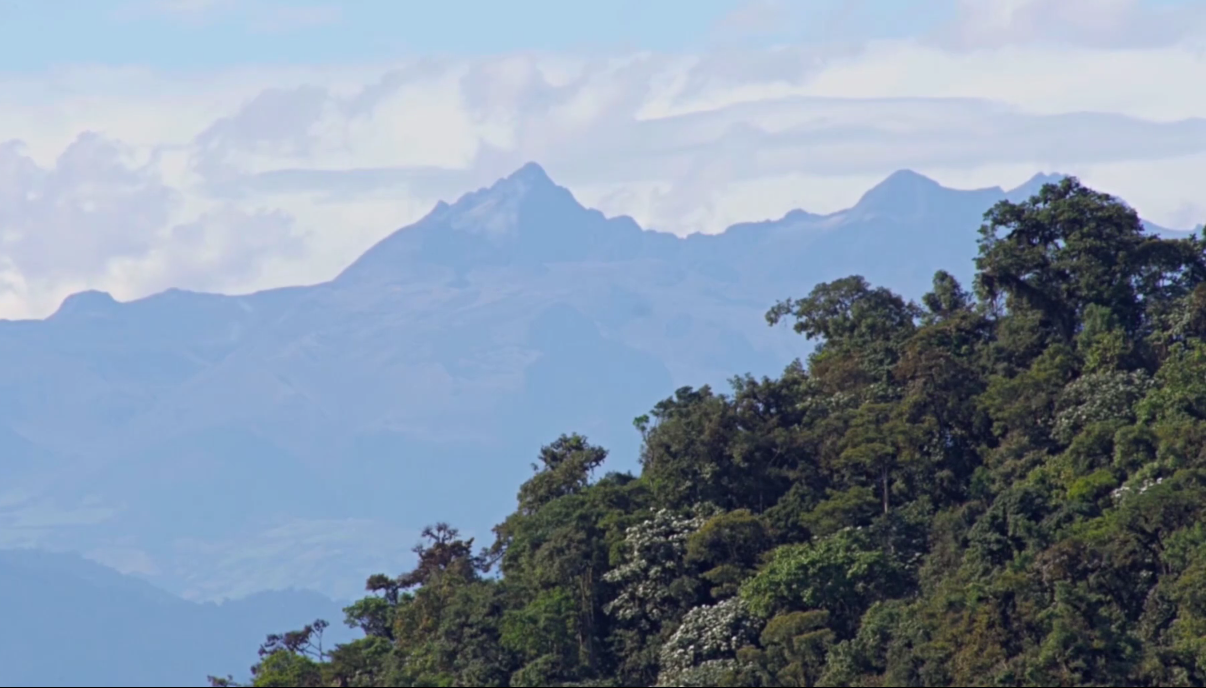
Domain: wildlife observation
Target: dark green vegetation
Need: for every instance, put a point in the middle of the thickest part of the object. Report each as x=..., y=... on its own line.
x=1004, y=487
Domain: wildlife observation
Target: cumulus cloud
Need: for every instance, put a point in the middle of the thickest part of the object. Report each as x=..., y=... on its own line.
x=98, y=215
x=90, y=207
x=226, y=245
x=259, y=177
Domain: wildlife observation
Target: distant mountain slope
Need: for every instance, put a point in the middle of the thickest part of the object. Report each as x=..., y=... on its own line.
x=118, y=631
x=302, y=436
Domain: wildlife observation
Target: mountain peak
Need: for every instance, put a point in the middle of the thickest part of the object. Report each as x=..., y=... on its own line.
x=903, y=191
x=87, y=303
x=528, y=180
x=500, y=209
x=905, y=180
x=530, y=173
x=522, y=219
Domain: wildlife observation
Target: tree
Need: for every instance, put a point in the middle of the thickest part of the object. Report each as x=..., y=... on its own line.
x=1070, y=247
x=565, y=468
x=841, y=574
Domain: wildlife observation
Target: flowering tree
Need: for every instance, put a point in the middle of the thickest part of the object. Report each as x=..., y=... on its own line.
x=654, y=558
x=701, y=652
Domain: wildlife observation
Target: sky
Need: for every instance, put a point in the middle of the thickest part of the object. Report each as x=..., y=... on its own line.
x=235, y=145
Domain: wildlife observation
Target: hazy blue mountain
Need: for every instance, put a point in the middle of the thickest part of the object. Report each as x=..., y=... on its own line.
x=71, y=622
x=221, y=445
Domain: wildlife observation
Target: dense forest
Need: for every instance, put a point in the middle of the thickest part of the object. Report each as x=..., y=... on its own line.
x=1003, y=484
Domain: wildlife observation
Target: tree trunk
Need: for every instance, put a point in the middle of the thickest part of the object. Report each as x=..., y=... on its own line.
x=885, y=484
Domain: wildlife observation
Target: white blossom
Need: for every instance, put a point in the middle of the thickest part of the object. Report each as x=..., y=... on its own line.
x=1099, y=397
x=656, y=548
x=705, y=643
x=1126, y=490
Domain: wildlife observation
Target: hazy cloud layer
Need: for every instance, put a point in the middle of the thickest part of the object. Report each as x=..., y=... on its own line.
x=132, y=181
x=1096, y=23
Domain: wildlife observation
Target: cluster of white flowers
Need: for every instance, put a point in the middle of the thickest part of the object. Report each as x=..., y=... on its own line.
x=708, y=634
x=1099, y=397
x=656, y=548
x=818, y=404
x=1126, y=490
x=1181, y=321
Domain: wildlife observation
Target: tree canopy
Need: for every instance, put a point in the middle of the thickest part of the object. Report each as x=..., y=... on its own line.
x=1001, y=485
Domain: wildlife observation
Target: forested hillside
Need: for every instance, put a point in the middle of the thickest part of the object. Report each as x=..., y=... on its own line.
x=1001, y=485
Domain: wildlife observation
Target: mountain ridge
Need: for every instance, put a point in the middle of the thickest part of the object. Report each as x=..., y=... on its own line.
x=892, y=195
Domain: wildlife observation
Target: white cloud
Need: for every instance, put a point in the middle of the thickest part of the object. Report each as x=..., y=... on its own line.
x=98, y=215
x=1098, y=23
x=93, y=205
x=265, y=176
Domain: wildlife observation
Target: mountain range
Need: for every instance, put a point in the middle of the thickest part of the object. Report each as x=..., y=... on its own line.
x=220, y=445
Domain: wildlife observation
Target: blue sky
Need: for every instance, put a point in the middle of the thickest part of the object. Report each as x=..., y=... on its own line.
x=204, y=34
x=191, y=34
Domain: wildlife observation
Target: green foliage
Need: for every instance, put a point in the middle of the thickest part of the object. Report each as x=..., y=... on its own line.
x=284, y=669
x=841, y=574
x=727, y=548
x=1000, y=489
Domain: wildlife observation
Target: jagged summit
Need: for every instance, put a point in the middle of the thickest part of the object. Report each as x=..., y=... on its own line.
x=524, y=202
x=523, y=219
x=530, y=179
x=526, y=219
x=527, y=181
